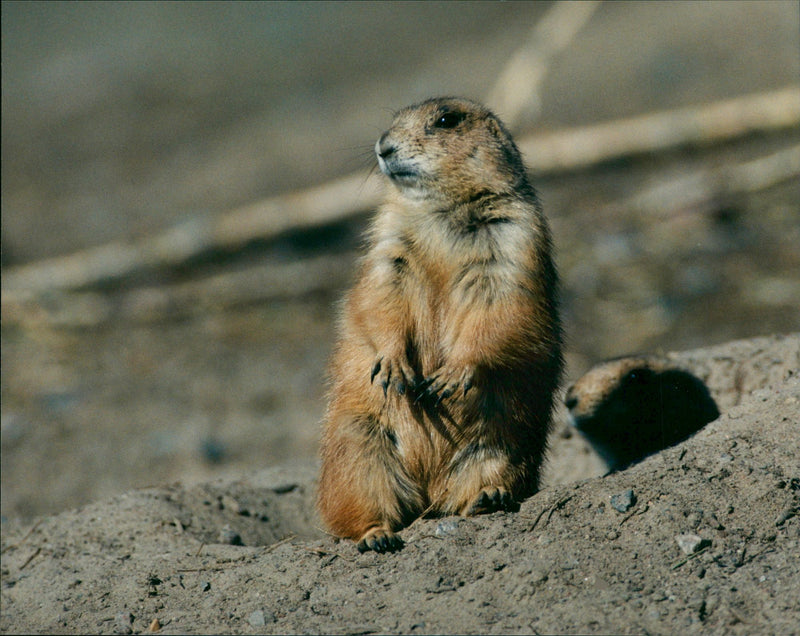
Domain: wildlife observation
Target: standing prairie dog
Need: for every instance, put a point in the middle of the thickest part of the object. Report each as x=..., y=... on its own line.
x=449, y=353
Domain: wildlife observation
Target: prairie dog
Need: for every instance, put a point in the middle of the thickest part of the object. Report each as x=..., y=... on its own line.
x=631, y=407
x=449, y=350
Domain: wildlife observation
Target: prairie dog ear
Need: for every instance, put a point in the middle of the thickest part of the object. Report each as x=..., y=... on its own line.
x=494, y=127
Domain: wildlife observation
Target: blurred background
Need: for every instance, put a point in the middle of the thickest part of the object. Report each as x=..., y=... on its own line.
x=192, y=355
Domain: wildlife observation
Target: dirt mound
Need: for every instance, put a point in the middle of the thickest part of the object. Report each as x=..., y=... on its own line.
x=703, y=538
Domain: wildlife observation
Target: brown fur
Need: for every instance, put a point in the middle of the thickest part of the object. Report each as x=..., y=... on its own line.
x=450, y=343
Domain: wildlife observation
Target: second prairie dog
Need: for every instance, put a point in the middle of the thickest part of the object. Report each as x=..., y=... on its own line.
x=631, y=407
x=449, y=351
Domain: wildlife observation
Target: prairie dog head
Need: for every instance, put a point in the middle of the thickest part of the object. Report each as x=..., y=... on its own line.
x=632, y=407
x=450, y=149
x=597, y=386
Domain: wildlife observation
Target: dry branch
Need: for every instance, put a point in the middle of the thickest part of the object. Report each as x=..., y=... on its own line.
x=337, y=200
x=229, y=231
x=516, y=95
x=704, y=187
x=151, y=304
x=656, y=132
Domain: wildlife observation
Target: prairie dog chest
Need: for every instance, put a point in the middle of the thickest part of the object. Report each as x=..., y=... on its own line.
x=440, y=257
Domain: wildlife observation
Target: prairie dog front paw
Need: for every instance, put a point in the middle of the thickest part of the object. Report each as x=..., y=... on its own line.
x=392, y=371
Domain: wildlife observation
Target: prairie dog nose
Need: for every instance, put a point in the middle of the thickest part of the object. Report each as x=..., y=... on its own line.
x=384, y=147
x=570, y=400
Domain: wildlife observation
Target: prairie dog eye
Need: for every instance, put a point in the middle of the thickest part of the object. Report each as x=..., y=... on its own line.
x=448, y=120
x=638, y=376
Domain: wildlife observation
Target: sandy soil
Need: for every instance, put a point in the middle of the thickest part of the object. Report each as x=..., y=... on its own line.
x=709, y=545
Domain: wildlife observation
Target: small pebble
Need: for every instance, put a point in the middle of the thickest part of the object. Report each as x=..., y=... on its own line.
x=229, y=536
x=446, y=527
x=257, y=619
x=123, y=623
x=205, y=586
x=154, y=626
x=787, y=513
x=691, y=543
x=623, y=501
x=735, y=412
x=229, y=503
